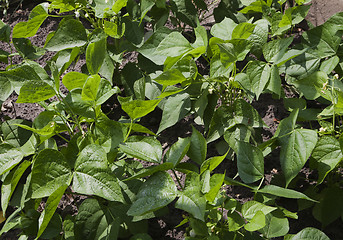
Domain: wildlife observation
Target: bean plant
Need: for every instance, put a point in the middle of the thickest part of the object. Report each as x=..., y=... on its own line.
x=119, y=167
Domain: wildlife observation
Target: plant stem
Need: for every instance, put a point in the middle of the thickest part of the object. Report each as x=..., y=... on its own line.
x=177, y=179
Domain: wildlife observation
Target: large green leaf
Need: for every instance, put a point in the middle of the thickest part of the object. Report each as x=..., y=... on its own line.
x=30, y=28
x=311, y=85
x=243, y=30
x=175, y=108
x=223, y=30
x=9, y=157
x=35, y=91
x=211, y=163
x=170, y=77
x=235, y=134
x=310, y=233
x=70, y=33
x=102, y=7
x=145, y=172
x=296, y=148
x=177, y=151
x=96, y=221
x=302, y=65
x=149, y=48
x=50, y=171
x=137, y=108
x=110, y=134
x=191, y=199
x=322, y=40
x=276, y=225
x=327, y=154
x=173, y=45
x=198, y=147
x=259, y=74
x=92, y=175
x=74, y=80
x=158, y=191
x=275, y=50
x=10, y=183
x=185, y=11
x=283, y=192
x=95, y=52
x=5, y=88
x=90, y=88
x=250, y=162
x=250, y=208
x=147, y=149
x=49, y=209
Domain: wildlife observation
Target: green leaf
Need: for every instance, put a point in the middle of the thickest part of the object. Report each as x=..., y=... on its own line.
x=5, y=32
x=251, y=208
x=93, y=176
x=235, y=134
x=275, y=81
x=74, y=102
x=311, y=85
x=211, y=163
x=35, y=91
x=310, y=233
x=95, y=52
x=145, y=172
x=96, y=221
x=329, y=209
x=302, y=65
x=158, y=191
x=185, y=11
x=191, y=199
x=26, y=49
x=137, y=108
x=102, y=7
x=216, y=183
x=287, y=125
x=257, y=222
x=295, y=150
x=30, y=28
x=173, y=45
x=222, y=120
x=259, y=74
x=9, y=157
x=283, y=192
x=246, y=114
x=50, y=208
x=223, y=30
x=110, y=134
x=235, y=221
x=323, y=41
x=90, y=88
x=274, y=50
x=5, y=88
x=243, y=30
x=198, y=147
x=14, y=135
x=233, y=50
x=201, y=38
x=170, y=77
x=118, y=5
x=70, y=33
x=74, y=80
x=250, y=162
x=175, y=108
x=149, y=48
x=327, y=154
x=276, y=225
x=10, y=183
x=50, y=171
x=146, y=148
x=177, y=151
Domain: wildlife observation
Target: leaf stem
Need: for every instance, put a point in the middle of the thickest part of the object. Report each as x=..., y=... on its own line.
x=177, y=179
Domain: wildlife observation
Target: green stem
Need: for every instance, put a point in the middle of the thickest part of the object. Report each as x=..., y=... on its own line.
x=128, y=133
x=177, y=179
x=62, y=137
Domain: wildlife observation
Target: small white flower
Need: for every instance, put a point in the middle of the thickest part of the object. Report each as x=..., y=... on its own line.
x=46, y=5
x=77, y=14
x=322, y=130
x=336, y=76
x=86, y=15
x=231, y=79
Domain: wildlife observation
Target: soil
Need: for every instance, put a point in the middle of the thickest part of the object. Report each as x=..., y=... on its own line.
x=270, y=109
